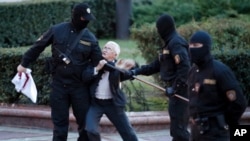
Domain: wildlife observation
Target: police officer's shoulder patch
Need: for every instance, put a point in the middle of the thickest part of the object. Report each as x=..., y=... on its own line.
x=177, y=59
x=231, y=95
x=40, y=38
x=85, y=43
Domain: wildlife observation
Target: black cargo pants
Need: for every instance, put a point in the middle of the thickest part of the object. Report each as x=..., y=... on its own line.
x=179, y=118
x=63, y=97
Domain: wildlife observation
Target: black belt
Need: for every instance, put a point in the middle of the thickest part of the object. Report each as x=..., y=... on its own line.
x=217, y=120
x=104, y=101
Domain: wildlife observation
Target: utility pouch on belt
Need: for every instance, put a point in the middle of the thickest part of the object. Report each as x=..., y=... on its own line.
x=203, y=124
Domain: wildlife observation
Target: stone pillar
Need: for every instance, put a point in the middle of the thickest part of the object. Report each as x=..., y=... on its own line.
x=123, y=17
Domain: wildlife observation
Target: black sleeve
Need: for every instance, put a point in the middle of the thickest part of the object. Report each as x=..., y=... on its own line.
x=183, y=66
x=96, y=54
x=88, y=73
x=237, y=105
x=41, y=43
x=149, y=69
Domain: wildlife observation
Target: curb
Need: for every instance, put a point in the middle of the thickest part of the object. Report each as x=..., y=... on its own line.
x=39, y=117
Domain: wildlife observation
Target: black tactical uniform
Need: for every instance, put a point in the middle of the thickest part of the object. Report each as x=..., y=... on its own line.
x=173, y=65
x=68, y=88
x=216, y=99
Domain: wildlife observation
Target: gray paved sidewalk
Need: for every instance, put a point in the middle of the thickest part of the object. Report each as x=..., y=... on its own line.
x=25, y=134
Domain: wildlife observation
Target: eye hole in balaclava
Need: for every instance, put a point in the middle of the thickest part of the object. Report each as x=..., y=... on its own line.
x=202, y=54
x=165, y=26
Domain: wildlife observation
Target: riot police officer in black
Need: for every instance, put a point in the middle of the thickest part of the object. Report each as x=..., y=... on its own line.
x=173, y=65
x=72, y=46
x=216, y=99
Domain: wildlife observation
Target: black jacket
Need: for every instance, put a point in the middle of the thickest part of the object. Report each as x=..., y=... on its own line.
x=170, y=70
x=115, y=77
x=61, y=37
x=207, y=87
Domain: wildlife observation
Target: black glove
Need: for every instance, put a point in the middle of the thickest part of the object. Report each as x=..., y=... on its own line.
x=169, y=91
x=129, y=74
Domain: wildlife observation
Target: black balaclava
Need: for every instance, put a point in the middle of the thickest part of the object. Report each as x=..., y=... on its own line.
x=78, y=24
x=201, y=55
x=81, y=10
x=165, y=26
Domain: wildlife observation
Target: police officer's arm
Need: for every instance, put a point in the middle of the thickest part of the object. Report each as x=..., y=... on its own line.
x=149, y=69
x=126, y=66
x=96, y=54
x=182, y=63
x=232, y=91
x=33, y=53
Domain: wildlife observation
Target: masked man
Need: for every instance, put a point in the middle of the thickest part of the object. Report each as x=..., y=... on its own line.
x=173, y=65
x=216, y=99
x=72, y=46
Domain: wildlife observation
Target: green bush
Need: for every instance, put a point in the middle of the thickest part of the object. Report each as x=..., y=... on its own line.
x=242, y=6
x=226, y=32
x=230, y=43
x=23, y=23
x=9, y=60
x=183, y=11
x=147, y=11
x=147, y=41
x=105, y=24
x=237, y=59
x=225, y=8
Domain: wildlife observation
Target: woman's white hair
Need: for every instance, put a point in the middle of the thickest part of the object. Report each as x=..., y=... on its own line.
x=115, y=46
